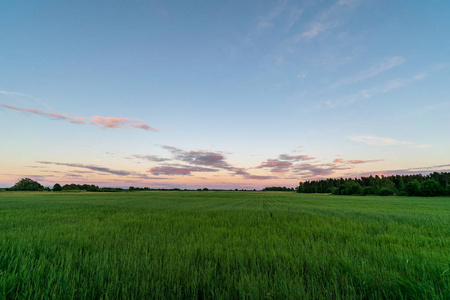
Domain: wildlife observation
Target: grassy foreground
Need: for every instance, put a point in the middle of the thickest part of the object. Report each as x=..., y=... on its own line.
x=252, y=245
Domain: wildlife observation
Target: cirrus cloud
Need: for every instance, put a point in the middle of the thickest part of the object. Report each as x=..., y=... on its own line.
x=172, y=170
x=384, y=141
x=211, y=159
x=100, y=169
x=103, y=122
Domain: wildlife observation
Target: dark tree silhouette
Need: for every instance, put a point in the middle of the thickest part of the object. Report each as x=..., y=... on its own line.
x=434, y=184
x=27, y=184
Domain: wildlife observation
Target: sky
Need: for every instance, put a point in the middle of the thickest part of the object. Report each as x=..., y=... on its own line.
x=222, y=94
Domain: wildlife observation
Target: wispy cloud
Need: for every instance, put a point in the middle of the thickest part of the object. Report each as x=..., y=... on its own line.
x=213, y=160
x=267, y=21
x=327, y=19
x=283, y=163
x=356, y=161
x=150, y=157
x=103, y=122
x=15, y=94
x=310, y=171
x=100, y=169
x=369, y=93
x=314, y=30
x=281, y=17
x=296, y=165
x=204, y=158
x=295, y=157
x=383, y=141
x=373, y=71
x=276, y=165
x=409, y=171
x=172, y=170
x=109, y=122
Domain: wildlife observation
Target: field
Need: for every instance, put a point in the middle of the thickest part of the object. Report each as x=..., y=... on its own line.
x=208, y=244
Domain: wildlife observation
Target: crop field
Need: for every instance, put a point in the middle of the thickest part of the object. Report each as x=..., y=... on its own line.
x=211, y=244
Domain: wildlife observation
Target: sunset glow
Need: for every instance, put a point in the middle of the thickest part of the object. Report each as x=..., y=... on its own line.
x=224, y=95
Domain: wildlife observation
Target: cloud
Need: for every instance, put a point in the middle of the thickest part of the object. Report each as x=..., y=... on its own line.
x=15, y=94
x=259, y=177
x=211, y=159
x=373, y=71
x=401, y=82
x=108, y=122
x=369, y=93
x=294, y=15
x=356, y=161
x=204, y=158
x=283, y=163
x=103, y=122
x=295, y=157
x=381, y=141
x=315, y=171
x=315, y=29
x=73, y=175
x=281, y=18
x=178, y=170
x=409, y=171
x=150, y=157
x=327, y=19
x=276, y=165
x=311, y=171
x=100, y=169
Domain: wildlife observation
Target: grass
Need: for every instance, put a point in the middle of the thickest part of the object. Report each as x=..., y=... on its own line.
x=255, y=245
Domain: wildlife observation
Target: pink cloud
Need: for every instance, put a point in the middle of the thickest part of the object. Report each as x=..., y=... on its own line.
x=178, y=170
x=100, y=169
x=211, y=159
x=283, y=163
x=276, y=165
x=317, y=171
x=109, y=122
x=356, y=161
x=103, y=122
x=295, y=157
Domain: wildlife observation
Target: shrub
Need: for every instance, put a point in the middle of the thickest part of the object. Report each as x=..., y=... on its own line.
x=430, y=188
x=413, y=188
x=368, y=190
x=27, y=184
x=402, y=193
x=335, y=191
x=354, y=188
x=386, y=192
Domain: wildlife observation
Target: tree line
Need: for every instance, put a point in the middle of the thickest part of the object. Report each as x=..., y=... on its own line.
x=278, y=189
x=434, y=184
x=27, y=184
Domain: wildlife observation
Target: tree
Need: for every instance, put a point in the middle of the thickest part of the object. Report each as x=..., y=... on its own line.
x=353, y=188
x=27, y=184
x=386, y=192
x=413, y=188
x=430, y=188
x=368, y=190
x=57, y=187
x=92, y=188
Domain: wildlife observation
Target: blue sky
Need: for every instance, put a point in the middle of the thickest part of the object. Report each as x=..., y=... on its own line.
x=225, y=94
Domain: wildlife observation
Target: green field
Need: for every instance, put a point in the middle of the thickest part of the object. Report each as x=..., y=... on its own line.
x=256, y=245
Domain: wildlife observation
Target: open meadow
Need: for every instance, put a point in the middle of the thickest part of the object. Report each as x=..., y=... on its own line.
x=211, y=244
